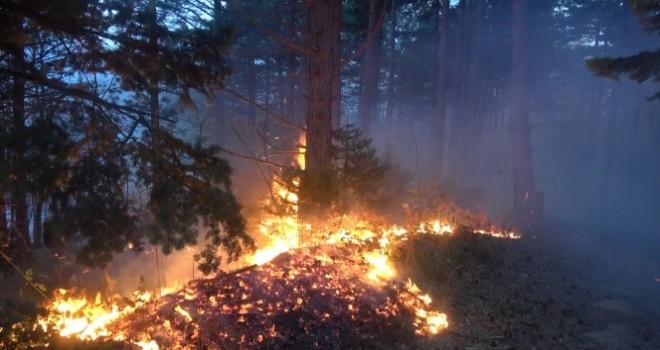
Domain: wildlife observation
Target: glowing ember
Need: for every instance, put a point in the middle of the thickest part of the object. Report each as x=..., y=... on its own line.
x=499, y=234
x=183, y=312
x=300, y=158
x=381, y=268
x=284, y=236
x=435, y=227
x=324, y=284
x=77, y=316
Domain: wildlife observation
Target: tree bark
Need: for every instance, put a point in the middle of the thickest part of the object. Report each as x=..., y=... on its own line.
x=474, y=95
x=389, y=111
x=37, y=223
x=336, y=58
x=457, y=125
x=302, y=102
x=3, y=213
x=527, y=202
x=154, y=107
x=290, y=92
x=19, y=207
x=441, y=89
x=371, y=70
x=318, y=154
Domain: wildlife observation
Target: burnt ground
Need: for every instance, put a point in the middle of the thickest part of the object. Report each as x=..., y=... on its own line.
x=545, y=291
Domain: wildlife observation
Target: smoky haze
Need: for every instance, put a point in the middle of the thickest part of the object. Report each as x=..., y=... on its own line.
x=593, y=140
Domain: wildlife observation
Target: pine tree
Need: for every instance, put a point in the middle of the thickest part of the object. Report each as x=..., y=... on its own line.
x=359, y=169
x=110, y=66
x=639, y=67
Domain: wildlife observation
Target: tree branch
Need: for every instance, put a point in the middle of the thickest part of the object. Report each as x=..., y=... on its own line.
x=288, y=43
x=269, y=113
x=360, y=50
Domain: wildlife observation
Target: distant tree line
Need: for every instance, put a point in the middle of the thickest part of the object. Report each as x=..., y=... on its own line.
x=493, y=96
x=484, y=94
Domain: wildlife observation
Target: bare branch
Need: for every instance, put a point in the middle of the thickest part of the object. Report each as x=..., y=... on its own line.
x=256, y=159
x=269, y=113
x=132, y=113
x=288, y=43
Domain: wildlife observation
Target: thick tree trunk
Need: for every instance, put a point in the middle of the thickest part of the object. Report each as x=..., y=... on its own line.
x=336, y=58
x=527, y=202
x=19, y=207
x=441, y=90
x=371, y=70
x=319, y=117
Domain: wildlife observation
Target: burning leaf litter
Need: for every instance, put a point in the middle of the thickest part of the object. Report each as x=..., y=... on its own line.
x=339, y=289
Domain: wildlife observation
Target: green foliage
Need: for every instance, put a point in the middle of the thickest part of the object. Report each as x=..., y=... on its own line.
x=85, y=140
x=639, y=67
x=92, y=208
x=358, y=167
x=189, y=53
x=648, y=12
x=356, y=179
x=191, y=186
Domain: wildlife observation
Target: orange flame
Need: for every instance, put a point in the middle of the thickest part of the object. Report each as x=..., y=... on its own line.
x=302, y=143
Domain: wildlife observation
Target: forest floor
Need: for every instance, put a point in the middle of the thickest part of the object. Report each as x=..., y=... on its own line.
x=549, y=291
x=545, y=291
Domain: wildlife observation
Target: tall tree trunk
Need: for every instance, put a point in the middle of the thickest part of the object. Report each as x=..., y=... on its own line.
x=336, y=62
x=474, y=96
x=371, y=70
x=389, y=111
x=290, y=93
x=219, y=120
x=527, y=202
x=319, y=116
x=37, y=222
x=321, y=69
x=459, y=76
x=441, y=89
x=302, y=102
x=21, y=232
x=251, y=87
x=268, y=81
x=154, y=107
x=3, y=213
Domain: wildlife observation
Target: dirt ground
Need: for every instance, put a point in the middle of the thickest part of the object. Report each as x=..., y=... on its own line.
x=551, y=291
x=545, y=291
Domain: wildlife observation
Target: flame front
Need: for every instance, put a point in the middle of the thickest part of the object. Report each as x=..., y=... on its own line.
x=300, y=157
x=361, y=249
x=365, y=248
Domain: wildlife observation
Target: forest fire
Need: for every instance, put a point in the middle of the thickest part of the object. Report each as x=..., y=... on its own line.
x=322, y=281
x=336, y=281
